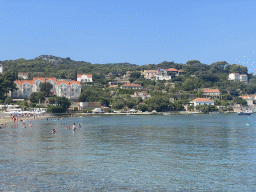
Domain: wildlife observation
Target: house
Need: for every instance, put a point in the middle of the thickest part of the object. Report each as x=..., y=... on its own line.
x=211, y=92
x=162, y=75
x=173, y=70
x=143, y=95
x=83, y=78
x=69, y=89
x=202, y=101
x=237, y=77
x=248, y=98
x=23, y=75
x=149, y=74
x=131, y=86
x=89, y=105
x=1, y=68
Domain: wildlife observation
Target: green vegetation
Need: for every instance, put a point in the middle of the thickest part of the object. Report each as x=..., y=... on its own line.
x=165, y=96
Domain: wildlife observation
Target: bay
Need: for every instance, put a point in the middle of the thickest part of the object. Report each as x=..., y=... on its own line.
x=130, y=153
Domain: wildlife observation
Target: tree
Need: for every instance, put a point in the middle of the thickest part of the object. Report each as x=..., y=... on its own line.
x=63, y=102
x=8, y=100
x=143, y=107
x=45, y=88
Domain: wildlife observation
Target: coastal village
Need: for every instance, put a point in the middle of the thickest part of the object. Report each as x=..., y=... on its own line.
x=126, y=94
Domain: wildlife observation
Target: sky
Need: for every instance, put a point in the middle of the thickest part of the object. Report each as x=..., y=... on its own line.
x=135, y=31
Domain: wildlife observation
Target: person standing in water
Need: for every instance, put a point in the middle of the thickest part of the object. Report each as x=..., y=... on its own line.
x=74, y=126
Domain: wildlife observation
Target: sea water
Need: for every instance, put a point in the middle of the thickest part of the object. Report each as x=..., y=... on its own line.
x=130, y=153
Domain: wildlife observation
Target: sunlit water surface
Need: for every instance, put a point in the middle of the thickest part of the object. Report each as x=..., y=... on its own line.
x=128, y=153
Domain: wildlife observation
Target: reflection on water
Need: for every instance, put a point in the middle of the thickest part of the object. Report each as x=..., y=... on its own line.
x=179, y=152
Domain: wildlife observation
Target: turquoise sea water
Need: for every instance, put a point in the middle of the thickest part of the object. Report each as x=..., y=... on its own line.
x=131, y=153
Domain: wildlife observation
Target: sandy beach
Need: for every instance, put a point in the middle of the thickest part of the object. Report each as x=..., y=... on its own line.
x=7, y=118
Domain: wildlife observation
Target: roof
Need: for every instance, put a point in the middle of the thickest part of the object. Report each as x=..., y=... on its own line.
x=149, y=71
x=181, y=71
x=68, y=82
x=80, y=75
x=44, y=78
x=172, y=69
x=202, y=100
x=113, y=86
x=21, y=82
x=211, y=91
x=130, y=85
x=246, y=97
x=22, y=73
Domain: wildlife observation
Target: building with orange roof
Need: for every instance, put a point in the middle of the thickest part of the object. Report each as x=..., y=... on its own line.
x=202, y=101
x=84, y=78
x=69, y=89
x=248, y=98
x=211, y=92
x=131, y=86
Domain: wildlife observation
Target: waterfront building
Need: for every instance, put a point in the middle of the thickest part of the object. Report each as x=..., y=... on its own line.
x=69, y=89
x=248, y=98
x=202, y=101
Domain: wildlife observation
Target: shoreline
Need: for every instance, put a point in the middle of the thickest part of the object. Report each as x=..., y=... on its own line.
x=7, y=120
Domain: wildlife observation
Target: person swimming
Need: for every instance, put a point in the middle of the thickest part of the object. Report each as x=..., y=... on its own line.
x=79, y=125
x=54, y=130
x=24, y=125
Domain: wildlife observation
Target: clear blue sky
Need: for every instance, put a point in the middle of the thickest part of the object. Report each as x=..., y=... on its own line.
x=134, y=31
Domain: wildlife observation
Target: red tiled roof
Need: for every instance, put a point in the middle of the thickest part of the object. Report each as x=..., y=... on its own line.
x=21, y=82
x=246, y=97
x=211, y=91
x=88, y=75
x=130, y=85
x=180, y=70
x=201, y=100
x=113, y=86
x=172, y=69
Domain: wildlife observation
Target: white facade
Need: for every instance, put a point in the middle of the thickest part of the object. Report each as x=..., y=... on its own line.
x=202, y=101
x=84, y=78
x=131, y=86
x=150, y=74
x=69, y=89
x=162, y=75
x=23, y=75
x=1, y=68
x=238, y=77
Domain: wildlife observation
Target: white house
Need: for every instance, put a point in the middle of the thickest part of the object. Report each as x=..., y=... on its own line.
x=248, y=98
x=162, y=74
x=211, y=92
x=84, y=78
x=69, y=89
x=237, y=77
x=143, y=95
x=202, y=101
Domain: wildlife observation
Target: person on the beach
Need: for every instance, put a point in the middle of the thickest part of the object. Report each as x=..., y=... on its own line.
x=24, y=125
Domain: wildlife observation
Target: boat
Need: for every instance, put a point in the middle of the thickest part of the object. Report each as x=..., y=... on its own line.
x=249, y=123
x=166, y=113
x=244, y=113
